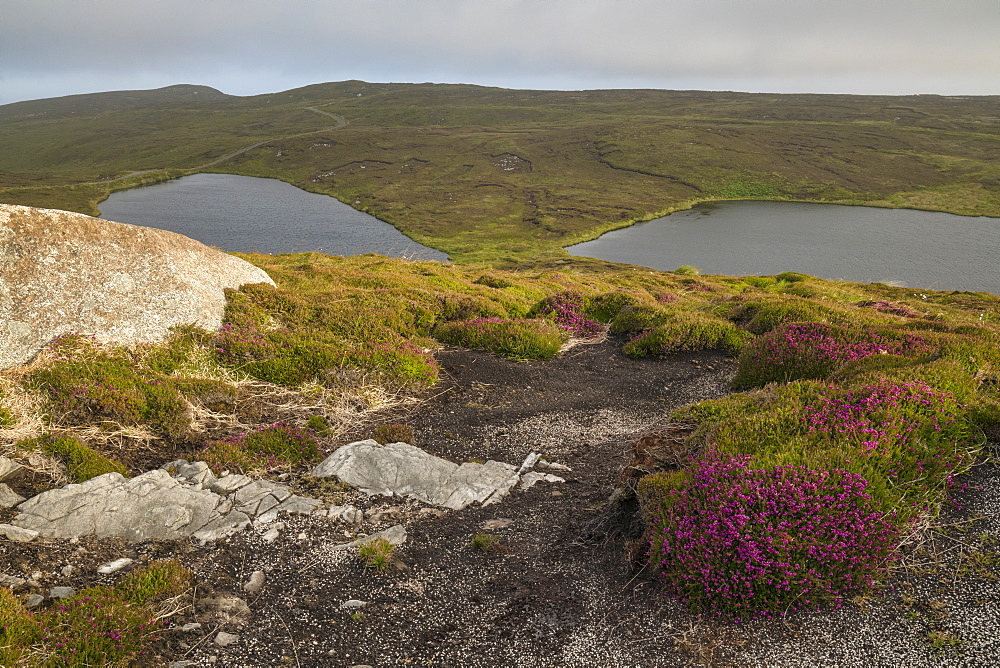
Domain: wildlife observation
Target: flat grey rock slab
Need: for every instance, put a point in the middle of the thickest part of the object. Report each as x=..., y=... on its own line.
x=18, y=534
x=406, y=470
x=179, y=500
x=8, y=497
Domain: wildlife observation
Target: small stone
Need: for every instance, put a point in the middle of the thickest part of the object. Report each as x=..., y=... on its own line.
x=61, y=592
x=271, y=535
x=8, y=497
x=67, y=570
x=191, y=626
x=180, y=664
x=353, y=603
x=212, y=659
x=498, y=523
x=224, y=639
x=114, y=566
x=17, y=534
x=254, y=584
x=302, y=536
x=556, y=494
x=33, y=601
x=11, y=581
x=36, y=576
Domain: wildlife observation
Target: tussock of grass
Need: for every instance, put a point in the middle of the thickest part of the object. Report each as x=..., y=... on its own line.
x=277, y=446
x=376, y=554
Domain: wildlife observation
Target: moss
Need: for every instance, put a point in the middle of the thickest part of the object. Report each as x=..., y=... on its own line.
x=393, y=433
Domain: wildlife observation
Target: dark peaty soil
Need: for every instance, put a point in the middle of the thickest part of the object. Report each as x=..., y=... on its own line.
x=543, y=595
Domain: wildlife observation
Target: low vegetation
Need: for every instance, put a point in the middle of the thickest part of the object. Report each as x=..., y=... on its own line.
x=859, y=404
x=98, y=626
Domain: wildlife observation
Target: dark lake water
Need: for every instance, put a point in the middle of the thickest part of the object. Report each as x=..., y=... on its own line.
x=918, y=249
x=246, y=214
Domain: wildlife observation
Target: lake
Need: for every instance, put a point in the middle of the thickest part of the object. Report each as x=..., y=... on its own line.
x=919, y=249
x=251, y=215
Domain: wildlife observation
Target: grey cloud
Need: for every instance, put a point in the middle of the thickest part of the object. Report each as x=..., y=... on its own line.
x=846, y=45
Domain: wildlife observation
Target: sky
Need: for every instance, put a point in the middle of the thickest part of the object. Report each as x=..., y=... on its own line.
x=50, y=48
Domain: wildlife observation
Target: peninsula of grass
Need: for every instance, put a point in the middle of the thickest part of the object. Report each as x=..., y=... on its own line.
x=498, y=175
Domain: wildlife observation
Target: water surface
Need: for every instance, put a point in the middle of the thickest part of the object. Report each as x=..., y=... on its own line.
x=252, y=215
x=920, y=249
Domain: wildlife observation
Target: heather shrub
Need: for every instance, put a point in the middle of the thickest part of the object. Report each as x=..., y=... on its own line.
x=96, y=627
x=86, y=383
x=402, y=362
x=393, y=433
x=466, y=307
x=493, y=281
x=18, y=629
x=688, y=332
x=687, y=270
x=640, y=318
x=761, y=317
x=748, y=542
x=82, y=462
x=892, y=308
x=517, y=339
x=270, y=448
x=566, y=310
x=815, y=350
x=604, y=307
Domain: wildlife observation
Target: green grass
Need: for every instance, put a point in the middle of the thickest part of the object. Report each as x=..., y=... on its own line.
x=494, y=175
x=376, y=554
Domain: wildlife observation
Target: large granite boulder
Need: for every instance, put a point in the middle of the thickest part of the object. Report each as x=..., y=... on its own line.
x=65, y=272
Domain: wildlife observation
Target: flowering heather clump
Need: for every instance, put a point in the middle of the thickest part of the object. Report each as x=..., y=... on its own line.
x=911, y=426
x=883, y=306
x=95, y=628
x=815, y=350
x=517, y=339
x=566, y=309
x=667, y=297
x=690, y=333
x=270, y=448
x=751, y=542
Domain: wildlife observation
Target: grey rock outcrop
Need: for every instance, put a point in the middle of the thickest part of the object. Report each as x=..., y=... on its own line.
x=175, y=501
x=66, y=272
x=406, y=470
x=7, y=467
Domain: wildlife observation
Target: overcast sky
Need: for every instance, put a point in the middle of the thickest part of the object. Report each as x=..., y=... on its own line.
x=50, y=48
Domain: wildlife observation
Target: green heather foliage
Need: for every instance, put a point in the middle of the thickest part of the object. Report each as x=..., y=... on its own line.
x=688, y=333
x=519, y=339
x=641, y=318
x=157, y=580
x=274, y=447
x=604, y=307
x=82, y=463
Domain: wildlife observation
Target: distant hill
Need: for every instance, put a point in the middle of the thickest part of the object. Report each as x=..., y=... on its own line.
x=93, y=103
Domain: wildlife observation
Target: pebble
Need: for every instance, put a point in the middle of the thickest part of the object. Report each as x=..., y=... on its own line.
x=33, y=601
x=353, y=603
x=17, y=534
x=271, y=535
x=254, y=584
x=191, y=626
x=224, y=639
x=67, y=570
x=113, y=566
